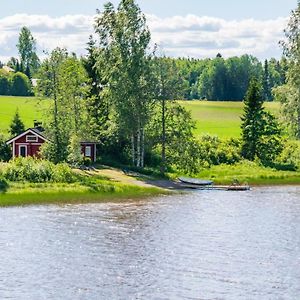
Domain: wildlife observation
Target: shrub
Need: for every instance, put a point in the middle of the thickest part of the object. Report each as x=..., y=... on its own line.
x=35, y=170
x=5, y=151
x=289, y=159
x=3, y=185
x=214, y=151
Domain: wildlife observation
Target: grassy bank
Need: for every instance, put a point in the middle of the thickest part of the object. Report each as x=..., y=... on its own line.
x=26, y=181
x=250, y=173
x=20, y=194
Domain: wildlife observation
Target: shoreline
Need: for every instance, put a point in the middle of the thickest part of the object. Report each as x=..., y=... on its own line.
x=154, y=188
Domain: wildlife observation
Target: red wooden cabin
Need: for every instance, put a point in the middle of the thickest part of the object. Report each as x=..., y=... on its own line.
x=30, y=141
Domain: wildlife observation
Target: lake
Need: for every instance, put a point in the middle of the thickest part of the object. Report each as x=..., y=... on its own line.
x=200, y=245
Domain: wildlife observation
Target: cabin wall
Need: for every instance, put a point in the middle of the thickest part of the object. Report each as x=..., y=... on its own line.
x=93, y=153
x=33, y=148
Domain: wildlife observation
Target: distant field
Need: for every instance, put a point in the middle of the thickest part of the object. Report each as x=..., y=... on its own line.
x=220, y=118
x=29, y=110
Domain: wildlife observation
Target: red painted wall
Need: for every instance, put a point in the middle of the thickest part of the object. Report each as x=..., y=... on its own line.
x=33, y=148
x=92, y=151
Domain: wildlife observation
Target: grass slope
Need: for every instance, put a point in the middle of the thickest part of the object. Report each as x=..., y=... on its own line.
x=29, y=109
x=220, y=118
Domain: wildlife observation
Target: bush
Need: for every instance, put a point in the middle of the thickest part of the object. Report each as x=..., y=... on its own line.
x=20, y=85
x=35, y=170
x=3, y=185
x=5, y=151
x=214, y=151
x=289, y=159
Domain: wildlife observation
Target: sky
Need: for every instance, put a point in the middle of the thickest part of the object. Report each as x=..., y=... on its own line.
x=190, y=28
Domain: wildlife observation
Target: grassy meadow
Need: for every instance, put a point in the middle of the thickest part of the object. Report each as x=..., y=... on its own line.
x=220, y=118
x=30, y=108
x=217, y=118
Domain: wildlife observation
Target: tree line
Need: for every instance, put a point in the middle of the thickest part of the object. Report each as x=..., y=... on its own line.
x=18, y=82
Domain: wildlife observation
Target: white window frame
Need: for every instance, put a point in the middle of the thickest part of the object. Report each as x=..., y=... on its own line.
x=31, y=136
x=26, y=153
x=86, y=153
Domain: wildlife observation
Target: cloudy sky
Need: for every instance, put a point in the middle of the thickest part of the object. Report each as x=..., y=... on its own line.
x=194, y=28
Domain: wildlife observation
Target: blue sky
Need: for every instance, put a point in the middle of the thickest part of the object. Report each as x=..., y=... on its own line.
x=227, y=9
x=182, y=28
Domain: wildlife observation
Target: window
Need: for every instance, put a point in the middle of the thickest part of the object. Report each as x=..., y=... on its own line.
x=88, y=151
x=31, y=138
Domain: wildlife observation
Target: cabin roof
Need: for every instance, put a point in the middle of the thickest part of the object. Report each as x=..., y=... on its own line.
x=34, y=131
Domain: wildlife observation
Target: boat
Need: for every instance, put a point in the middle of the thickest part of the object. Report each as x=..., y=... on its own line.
x=201, y=184
x=195, y=182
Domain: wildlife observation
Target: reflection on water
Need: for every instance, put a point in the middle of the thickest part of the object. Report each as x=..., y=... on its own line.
x=203, y=245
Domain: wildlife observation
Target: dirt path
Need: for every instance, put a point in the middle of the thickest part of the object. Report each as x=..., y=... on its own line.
x=135, y=179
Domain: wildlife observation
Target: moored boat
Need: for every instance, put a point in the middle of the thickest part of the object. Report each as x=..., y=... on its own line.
x=195, y=181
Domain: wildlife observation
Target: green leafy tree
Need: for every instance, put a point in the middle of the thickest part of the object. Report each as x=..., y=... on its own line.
x=169, y=87
x=58, y=121
x=124, y=42
x=289, y=94
x=20, y=85
x=75, y=156
x=63, y=80
x=181, y=147
x=4, y=84
x=27, y=51
x=5, y=151
x=16, y=126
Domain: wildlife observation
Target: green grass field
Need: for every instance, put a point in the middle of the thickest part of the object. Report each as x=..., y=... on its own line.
x=29, y=110
x=220, y=118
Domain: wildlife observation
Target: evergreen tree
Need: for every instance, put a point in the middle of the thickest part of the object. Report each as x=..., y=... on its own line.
x=266, y=82
x=17, y=126
x=261, y=135
x=252, y=120
x=98, y=108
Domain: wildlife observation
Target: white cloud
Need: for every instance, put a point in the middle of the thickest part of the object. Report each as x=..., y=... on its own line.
x=189, y=35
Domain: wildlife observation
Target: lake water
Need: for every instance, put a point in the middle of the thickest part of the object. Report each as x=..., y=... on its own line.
x=201, y=245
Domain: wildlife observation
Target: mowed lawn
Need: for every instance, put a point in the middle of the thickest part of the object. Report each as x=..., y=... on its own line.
x=220, y=118
x=29, y=110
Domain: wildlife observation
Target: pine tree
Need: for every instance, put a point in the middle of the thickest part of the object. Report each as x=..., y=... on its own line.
x=261, y=133
x=16, y=126
x=252, y=120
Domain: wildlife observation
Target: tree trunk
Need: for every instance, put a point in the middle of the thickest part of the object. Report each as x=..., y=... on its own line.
x=163, y=138
x=133, y=149
x=138, y=146
x=142, y=147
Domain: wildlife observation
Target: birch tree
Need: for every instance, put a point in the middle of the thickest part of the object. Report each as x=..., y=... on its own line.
x=62, y=80
x=124, y=42
x=289, y=94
